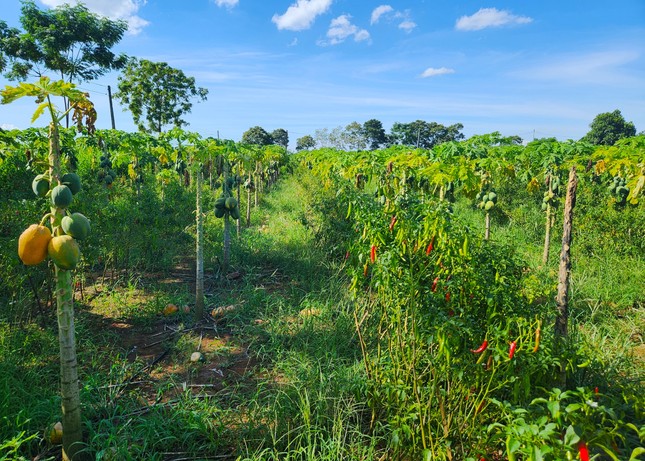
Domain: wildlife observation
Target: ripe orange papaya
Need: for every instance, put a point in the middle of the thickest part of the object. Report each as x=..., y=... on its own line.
x=32, y=244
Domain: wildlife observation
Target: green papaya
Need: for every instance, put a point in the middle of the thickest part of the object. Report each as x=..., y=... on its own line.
x=61, y=196
x=64, y=251
x=489, y=205
x=235, y=213
x=220, y=202
x=220, y=212
x=230, y=203
x=76, y=225
x=40, y=185
x=72, y=181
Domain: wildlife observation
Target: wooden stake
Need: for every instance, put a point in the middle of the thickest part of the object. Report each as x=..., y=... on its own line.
x=562, y=299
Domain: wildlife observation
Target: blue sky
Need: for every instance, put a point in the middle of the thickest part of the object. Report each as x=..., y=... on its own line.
x=523, y=68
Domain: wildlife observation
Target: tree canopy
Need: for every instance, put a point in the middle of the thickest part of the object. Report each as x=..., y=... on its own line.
x=425, y=134
x=258, y=136
x=306, y=142
x=70, y=41
x=280, y=137
x=374, y=134
x=609, y=127
x=157, y=94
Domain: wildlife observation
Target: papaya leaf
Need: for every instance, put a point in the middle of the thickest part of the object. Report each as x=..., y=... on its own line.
x=636, y=453
x=39, y=111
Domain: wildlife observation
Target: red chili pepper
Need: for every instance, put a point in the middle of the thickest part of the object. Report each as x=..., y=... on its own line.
x=430, y=246
x=595, y=390
x=448, y=296
x=373, y=253
x=481, y=348
x=365, y=268
x=392, y=223
x=347, y=255
x=434, y=284
x=511, y=349
x=583, y=451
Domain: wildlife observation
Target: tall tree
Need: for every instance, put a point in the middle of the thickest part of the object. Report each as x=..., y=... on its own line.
x=609, y=127
x=354, y=137
x=322, y=137
x=157, y=94
x=305, y=143
x=4, y=35
x=280, y=137
x=258, y=136
x=72, y=42
x=374, y=134
x=425, y=134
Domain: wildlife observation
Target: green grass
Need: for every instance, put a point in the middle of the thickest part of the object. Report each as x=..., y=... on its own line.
x=292, y=383
x=299, y=399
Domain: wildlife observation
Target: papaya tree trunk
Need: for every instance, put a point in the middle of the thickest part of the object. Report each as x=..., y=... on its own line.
x=227, y=242
x=487, y=231
x=199, y=275
x=547, y=236
x=70, y=392
x=562, y=298
x=226, y=256
x=256, y=183
x=238, y=222
x=248, y=201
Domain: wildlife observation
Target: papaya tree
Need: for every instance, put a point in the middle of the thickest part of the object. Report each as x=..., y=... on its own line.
x=197, y=167
x=59, y=241
x=226, y=206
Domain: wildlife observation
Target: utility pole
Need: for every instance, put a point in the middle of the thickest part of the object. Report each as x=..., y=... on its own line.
x=111, y=107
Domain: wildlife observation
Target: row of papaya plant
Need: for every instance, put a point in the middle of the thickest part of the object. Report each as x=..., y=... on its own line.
x=132, y=183
x=457, y=333
x=139, y=194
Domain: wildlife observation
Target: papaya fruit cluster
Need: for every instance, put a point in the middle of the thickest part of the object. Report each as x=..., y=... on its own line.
x=37, y=242
x=227, y=205
x=106, y=174
x=487, y=198
x=618, y=188
x=551, y=195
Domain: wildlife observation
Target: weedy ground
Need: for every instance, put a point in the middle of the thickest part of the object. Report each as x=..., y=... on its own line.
x=279, y=372
x=280, y=375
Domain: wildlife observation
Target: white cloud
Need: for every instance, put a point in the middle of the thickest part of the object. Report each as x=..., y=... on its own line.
x=8, y=126
x=387, y=12
x=490, y=17
x=433, y=72
x=114, y=9
x=380, y=11
x=407, y=25
x=301, y=14
x=341, y=28
x=227, y=3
